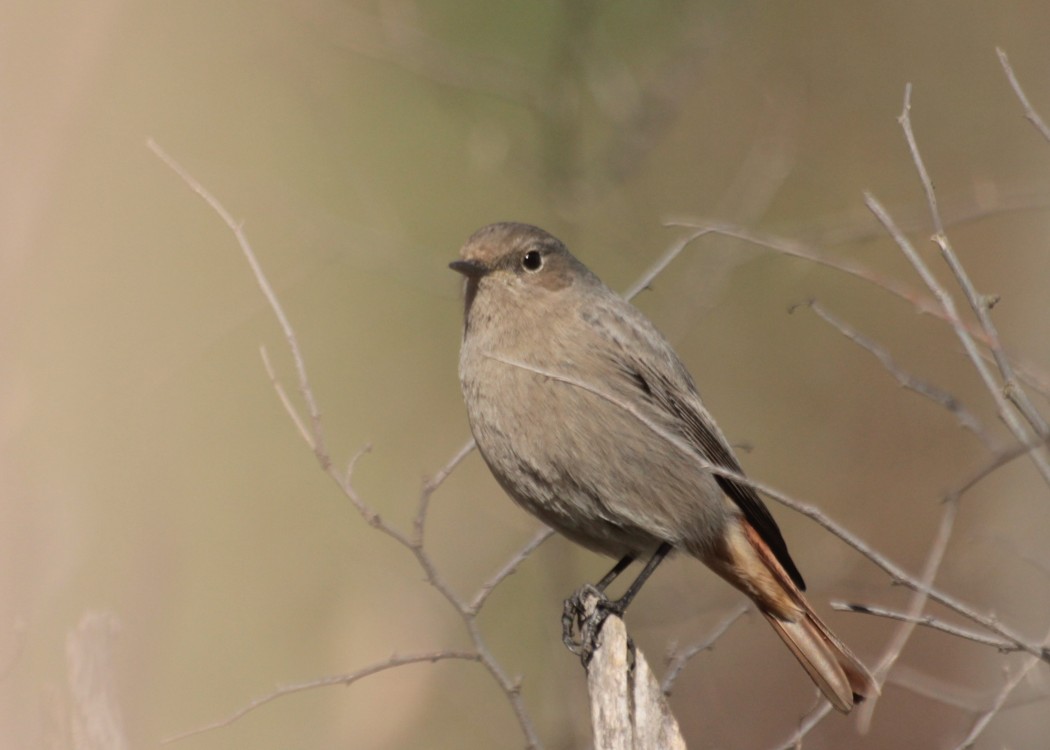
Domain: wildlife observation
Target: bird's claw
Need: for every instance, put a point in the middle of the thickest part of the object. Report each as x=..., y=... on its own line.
x=585, y=612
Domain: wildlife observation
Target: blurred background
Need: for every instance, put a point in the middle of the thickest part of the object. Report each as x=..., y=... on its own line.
x=152, y=484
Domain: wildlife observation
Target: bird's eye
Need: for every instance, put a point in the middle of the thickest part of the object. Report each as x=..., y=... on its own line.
x=532, y=260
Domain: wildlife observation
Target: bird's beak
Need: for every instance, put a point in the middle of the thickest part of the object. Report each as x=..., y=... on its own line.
x=472, y=269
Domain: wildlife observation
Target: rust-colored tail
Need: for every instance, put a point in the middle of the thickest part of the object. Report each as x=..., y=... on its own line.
x=747, y=562
x=829, y=663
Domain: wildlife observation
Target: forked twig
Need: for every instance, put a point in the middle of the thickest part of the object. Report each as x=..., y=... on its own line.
x=896, y=573
x=935, y=393
x=1029, y=111
x=312, y=433
x=393, y=662
x=929, y=621
x=678, y=660
x=1010, y=390
x=982, y=721
x=317, y=435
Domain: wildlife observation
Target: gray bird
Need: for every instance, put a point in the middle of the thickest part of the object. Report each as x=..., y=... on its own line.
x=589, y=420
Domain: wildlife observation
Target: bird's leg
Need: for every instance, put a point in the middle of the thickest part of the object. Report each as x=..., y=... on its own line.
x=574, y=611
x=619, y=606
x=614, y=573
x=575, y=614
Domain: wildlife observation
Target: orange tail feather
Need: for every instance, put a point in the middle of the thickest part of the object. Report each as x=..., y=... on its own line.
x=748, y=563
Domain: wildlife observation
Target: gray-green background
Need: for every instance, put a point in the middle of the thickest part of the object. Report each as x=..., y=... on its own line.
x=148, y=469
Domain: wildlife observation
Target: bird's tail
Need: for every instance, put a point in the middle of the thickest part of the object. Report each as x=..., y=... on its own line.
x=828, y=661
x=747, y=562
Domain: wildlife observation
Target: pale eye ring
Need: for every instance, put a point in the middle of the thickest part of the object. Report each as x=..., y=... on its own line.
x=532, y=260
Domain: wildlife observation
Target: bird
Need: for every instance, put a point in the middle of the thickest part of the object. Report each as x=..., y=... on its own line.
x=589, y=420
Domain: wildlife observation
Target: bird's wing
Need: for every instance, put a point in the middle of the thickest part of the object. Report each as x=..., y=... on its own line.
x=664, y=385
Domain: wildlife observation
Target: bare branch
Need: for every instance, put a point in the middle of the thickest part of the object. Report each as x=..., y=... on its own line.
x=679, y=658
x=980, y=304
x=951, y=693
x=314, y=438
x=442, y=474
x=795, y=249
x=895, y=647
x=981, y=201
x=509, y=568
x=393, y=662
x=237, y=227
x=282, y=394
x=662, y=263
x=808, y=723
x=351, y=465
x=932, y=622
x=998, y=461
x=432, y=484
x=897, y=574
x=989, y=336
x=1008, y=688
x=938, y=395
x=1029, y=111
x=961, y=331
x=916, y=605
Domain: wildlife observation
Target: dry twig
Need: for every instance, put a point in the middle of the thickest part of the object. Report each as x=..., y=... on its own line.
x=1010, y=390
x=312, y=434
x=1029, y=111
x=680, y=657
x=935, y=393
x=395, y=660
x=1011, y=684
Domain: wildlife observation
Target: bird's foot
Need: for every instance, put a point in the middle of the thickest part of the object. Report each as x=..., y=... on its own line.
x=584, y=613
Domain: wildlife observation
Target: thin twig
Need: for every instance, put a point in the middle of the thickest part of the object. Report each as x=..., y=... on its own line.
x=351, y=465
x=908, y=380
x=313, y=438
x=952, y=693
x=680, y=658
x=509, y=568
x=978, y=303
x=998, y=461
x=432, y=484
x=1000, y=700
x=1029, y=111
x=393, y=662
x=962, y=332
x=895, y=647
x=989, y=336
x=662, y=263
x=282, y=394
x=237, y=228
x=803, y=251
x=796, y=249
x=807, y=725
x=928, y=621
x=896, y=573
x=981, y=201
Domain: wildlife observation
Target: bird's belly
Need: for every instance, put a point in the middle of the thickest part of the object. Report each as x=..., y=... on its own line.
x=590, y=470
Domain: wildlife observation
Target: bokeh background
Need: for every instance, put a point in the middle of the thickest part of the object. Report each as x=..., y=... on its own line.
x=149, y=475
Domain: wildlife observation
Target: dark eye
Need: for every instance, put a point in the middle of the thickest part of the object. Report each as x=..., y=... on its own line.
x=532, y=260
